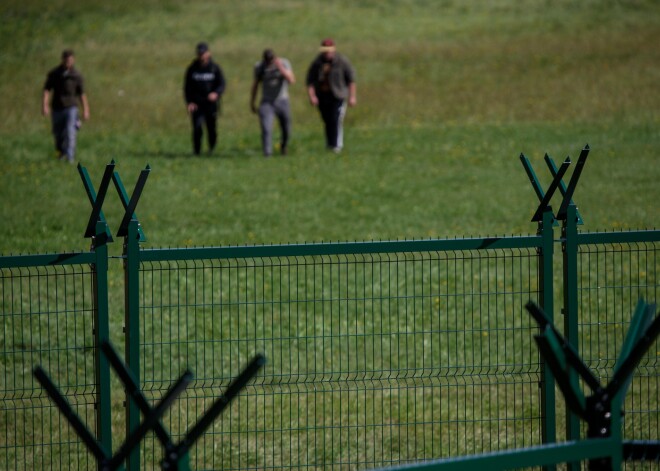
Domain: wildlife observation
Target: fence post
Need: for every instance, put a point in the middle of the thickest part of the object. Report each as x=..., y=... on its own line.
x=102, y=334
x=546, y=269
x=570, y=270
x=132, y=329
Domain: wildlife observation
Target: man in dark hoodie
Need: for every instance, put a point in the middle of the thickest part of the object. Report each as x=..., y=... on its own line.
x=204, y=85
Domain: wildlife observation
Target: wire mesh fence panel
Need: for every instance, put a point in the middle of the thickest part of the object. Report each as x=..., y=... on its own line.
x=373, y=359
x=46, y=319
x=612, y=278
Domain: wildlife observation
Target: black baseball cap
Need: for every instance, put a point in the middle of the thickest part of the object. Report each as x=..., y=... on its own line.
x=202, y=48
x=268, y=55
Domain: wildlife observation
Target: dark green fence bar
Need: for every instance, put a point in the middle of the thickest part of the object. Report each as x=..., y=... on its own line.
x=45, y=260
x=570, y=310
x=546, y=300
x=527, y=458
x=132, y=330
x=340, y=248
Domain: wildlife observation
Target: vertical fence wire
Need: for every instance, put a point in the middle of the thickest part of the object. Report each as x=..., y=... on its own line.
x=373, y=359
x=612, y=278
x=47, y=318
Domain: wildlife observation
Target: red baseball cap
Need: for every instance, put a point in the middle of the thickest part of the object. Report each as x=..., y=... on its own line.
x=327, y=45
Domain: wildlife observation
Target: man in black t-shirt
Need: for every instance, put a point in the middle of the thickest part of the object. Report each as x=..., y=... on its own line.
x=203, y=86
x=66, y=84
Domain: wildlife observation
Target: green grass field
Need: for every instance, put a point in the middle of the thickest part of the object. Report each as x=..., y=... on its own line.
x=450, y=93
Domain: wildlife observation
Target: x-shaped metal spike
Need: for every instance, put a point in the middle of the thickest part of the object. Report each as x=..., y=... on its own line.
x=561, y=355
x=176, y=455
x=545, y=202
x=106, y=461
x=568, y=196
x=562, y=186
x=557, y=182
x=130, y=205
x=96, y=199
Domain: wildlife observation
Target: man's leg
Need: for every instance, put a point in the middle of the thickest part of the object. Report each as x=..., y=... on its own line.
x=266, y=115
x=58, y=121
x=69, y=148
x=339, y=120
x=284, y=117
x=331, y=111
x=211, y=117
x=197, y=123
x=325, y=108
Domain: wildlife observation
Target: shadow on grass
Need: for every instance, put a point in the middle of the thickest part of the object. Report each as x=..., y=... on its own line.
x=223, y=153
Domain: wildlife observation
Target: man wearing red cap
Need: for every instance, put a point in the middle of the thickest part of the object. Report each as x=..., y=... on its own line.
x=330, y=86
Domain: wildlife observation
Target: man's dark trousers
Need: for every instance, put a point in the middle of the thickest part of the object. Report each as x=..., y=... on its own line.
x=332, y=112
x=206, y=113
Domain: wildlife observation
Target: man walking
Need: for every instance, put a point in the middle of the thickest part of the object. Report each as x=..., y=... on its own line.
x=275, y=74
x=204, y=84
x=66, y=85
x=330, y=84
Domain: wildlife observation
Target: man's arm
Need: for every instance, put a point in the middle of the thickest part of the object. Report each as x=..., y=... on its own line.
x=85, y=105
x=287, y=73
x=187, y=92
x=219, y=85
x=349, y=76
x=253, y=95
x=45, y=103
x=312, y=73
x=311, y=93
x=352, y=94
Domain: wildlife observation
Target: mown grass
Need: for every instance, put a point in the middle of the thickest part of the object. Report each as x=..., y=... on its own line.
x=450, y=93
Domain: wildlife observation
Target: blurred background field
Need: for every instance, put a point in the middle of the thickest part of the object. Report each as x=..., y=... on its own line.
x=449, y=94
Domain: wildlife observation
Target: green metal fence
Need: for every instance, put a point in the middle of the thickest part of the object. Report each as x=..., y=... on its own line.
x=614, y=270
x=379, y=353
x=53, y=316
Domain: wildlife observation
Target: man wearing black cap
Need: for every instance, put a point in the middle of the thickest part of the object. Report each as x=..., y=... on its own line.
x=203, y=87
x=330, y=85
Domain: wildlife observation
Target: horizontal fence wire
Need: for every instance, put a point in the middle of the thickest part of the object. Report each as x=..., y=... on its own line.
x=373, y=359
x=611, y=280
x=46, y=319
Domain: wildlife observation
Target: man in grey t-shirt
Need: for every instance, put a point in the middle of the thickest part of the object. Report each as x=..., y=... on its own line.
x=275, y=75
